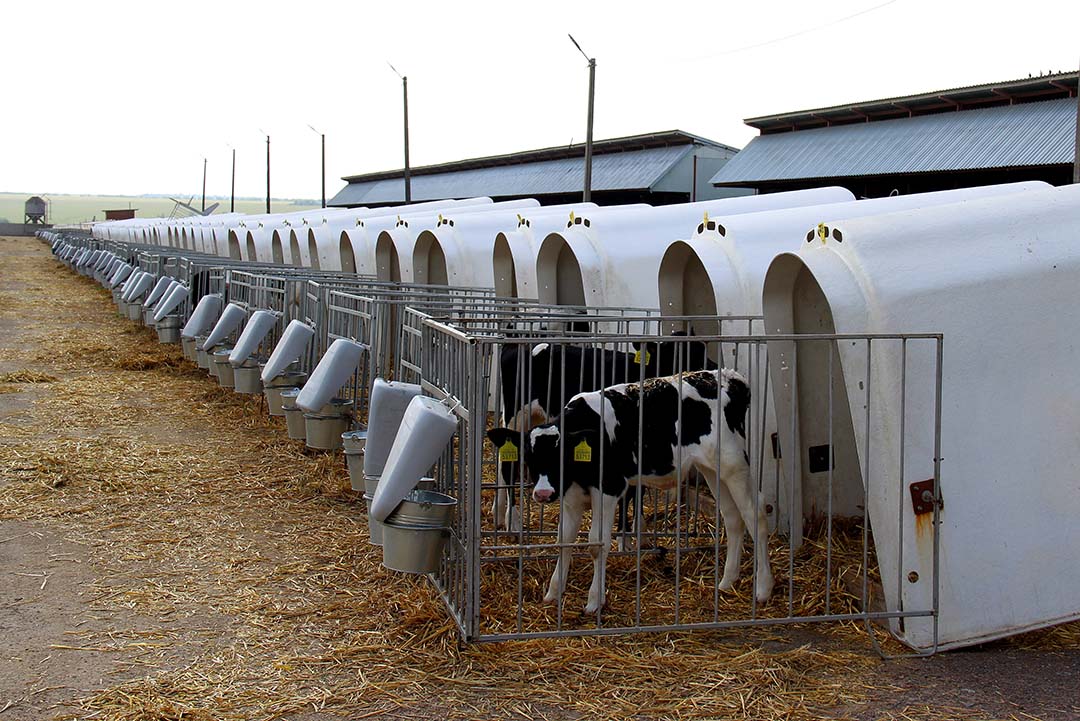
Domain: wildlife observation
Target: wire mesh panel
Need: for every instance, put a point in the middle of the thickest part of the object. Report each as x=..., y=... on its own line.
x=815, y=553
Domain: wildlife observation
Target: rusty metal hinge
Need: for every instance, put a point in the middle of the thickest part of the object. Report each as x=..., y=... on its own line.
x=923, y=497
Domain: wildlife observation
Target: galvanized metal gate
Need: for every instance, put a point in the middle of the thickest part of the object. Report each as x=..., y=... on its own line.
x=823, y=546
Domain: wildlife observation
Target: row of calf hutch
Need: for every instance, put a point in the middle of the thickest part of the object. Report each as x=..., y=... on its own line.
x=910, y=351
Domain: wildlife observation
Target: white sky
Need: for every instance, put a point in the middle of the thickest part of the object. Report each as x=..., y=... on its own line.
x=159, y=90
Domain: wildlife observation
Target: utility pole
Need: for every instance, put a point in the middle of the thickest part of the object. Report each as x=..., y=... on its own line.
x=323, y=136
x=204, y=185
x=232, y=190
x=408, y=180
x=267, y=174
x=405, y=92
x=587, y=194
x=1076, y=147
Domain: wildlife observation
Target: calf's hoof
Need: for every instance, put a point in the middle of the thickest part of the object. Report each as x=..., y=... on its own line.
x=512, y=522
x=763, y=592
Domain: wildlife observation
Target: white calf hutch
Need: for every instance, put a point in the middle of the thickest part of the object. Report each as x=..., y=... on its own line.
x=612, y=260
x=328, y=232
x=988, y=556
x=399, y=249
x=513, y=256
x=720, y=270
x=461, y=248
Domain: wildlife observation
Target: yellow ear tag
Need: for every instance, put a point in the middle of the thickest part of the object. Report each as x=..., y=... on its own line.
x=821, y=231
x=583, y=452
x=637, y=357
x=508, y=452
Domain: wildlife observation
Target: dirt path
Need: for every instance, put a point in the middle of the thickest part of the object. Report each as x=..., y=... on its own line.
x=166, y=553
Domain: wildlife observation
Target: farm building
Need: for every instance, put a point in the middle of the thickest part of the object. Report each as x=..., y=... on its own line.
x=980, y=135
x=656, y=168
x=120, y=214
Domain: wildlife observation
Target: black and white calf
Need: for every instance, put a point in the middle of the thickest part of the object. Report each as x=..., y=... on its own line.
x=590, y=457
x=537, y=380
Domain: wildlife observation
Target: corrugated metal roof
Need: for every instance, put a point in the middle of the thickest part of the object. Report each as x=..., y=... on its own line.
x=1010, y=92
x=1030, y=134
x=629, y=170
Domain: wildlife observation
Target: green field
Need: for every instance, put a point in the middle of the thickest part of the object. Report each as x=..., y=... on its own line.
x=66, y=209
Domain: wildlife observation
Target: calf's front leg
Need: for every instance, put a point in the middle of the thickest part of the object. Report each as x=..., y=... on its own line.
x=738, y=481
x=573, y=508
x=599, y=544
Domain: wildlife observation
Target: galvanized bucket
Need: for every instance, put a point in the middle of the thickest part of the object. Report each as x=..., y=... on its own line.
x=122, y=308
x=148, y=316
x=273, y=389
x=168, y=329
x=354, y=441
x=375, y=528
x=336, y=407
x=415, y=534
x=188, y=346
x=212, y=356
x=424, y=508
x=355, y=463
x=247, y=379
x=324, y=431
x=202, y=358
x=223, y=369
x=134, y=311
x=294, y=417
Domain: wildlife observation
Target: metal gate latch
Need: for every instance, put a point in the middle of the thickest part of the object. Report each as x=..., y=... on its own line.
x=922, y=497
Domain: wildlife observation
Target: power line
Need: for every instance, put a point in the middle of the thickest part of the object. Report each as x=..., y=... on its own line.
x=790, y=36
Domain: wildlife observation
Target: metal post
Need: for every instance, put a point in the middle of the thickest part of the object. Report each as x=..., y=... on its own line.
x=267, y=174
x=693, y=181
x=232, y=190
x=587, y=195
x=1076, y=147
x=323, y=135
x=204, y=185
x=408, y=181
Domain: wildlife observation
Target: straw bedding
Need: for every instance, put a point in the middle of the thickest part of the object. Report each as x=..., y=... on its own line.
x=248, y=558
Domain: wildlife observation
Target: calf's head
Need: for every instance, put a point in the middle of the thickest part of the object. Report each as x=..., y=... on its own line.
x=508, y=455
x=546, y=459
x=542, y=458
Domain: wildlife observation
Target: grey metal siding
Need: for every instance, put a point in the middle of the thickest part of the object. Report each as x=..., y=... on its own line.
x=1029, y=134
x=631, y=170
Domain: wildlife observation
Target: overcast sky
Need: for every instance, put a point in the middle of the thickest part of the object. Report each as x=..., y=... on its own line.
x=117, y=97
